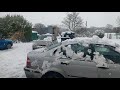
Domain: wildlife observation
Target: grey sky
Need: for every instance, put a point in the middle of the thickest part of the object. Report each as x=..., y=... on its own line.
x=99, y=19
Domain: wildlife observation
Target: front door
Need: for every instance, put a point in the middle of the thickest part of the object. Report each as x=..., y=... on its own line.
x=78, y=67
x=113, y=71
x=112, y=60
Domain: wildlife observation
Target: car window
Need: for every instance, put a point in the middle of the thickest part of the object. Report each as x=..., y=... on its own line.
x=108, y=53
x=105, y=49
x=102, y=49
x=77, y=48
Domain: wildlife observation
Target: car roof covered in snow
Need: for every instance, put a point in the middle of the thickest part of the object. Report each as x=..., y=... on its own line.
x=87, y=40
x=68, y=32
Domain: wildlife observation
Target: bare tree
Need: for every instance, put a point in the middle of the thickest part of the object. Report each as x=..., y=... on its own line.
x=72, y=21
x=39, y=28
x=109, y=26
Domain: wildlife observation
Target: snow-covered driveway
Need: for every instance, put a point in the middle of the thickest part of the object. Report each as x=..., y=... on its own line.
x=12, y=61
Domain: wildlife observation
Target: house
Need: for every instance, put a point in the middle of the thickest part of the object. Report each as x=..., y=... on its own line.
x=112, y=35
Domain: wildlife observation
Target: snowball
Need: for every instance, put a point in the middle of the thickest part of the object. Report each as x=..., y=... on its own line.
x=95, y=38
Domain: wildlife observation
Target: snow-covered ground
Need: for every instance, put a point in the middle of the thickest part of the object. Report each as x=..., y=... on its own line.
x=12, y=61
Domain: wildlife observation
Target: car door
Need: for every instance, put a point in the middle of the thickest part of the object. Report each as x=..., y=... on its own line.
x=113, y=62
x=80, y=69
x=77, y=67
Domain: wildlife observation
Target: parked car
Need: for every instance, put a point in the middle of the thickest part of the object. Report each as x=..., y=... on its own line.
x=57, y=62
x=5, y=44
x=43, y=41
x=67, y=35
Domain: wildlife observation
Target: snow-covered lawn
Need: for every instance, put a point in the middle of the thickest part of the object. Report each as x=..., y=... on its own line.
x=12, y=61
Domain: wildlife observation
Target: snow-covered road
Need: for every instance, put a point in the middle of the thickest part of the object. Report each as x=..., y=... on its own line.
x=12, y=61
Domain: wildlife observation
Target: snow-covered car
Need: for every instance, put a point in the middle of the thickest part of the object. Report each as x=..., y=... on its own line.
x=67, y=35
x=5, y=44
x=75, y=58
x=43, y=41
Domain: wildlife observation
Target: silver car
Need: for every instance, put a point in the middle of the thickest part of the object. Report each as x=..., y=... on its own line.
x=43, y=41
x=74, y=59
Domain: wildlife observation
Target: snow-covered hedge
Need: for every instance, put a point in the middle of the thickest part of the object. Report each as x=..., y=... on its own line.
x=99, y=33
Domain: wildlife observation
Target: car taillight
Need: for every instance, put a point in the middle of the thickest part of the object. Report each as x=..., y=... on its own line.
x=28, y=63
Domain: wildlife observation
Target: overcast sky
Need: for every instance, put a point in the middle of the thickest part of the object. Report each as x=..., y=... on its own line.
x=98, y=19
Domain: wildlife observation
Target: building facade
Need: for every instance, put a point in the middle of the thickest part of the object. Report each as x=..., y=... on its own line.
x=112, y=35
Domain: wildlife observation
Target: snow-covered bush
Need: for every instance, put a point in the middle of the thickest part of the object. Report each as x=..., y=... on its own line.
x=99, y=33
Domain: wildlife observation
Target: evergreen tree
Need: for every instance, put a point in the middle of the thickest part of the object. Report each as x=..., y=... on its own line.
x=9, y=25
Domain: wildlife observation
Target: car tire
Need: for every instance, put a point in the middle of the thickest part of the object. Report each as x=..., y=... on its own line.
x=52, y=75
x=9, y=46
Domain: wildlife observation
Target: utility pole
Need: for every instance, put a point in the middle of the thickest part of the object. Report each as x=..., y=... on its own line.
x=86, y=24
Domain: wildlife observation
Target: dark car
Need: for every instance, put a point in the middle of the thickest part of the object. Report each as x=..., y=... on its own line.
x=67, y=35
x=5, y=44
x=43, y=41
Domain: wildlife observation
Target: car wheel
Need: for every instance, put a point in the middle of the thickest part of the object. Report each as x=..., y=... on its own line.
x=52, y=75
x=9, y=46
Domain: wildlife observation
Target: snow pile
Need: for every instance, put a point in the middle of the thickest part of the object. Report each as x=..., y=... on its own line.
x=99, y=60
x=13, y=61
x=69, y=51
x=78, y=56
x=94, y=40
